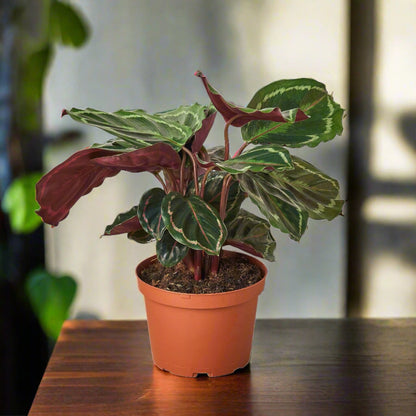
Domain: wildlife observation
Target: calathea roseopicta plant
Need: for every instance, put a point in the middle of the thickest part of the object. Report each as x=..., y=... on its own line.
x=197, y=210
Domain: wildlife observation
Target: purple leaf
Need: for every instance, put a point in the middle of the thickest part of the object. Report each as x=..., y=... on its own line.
x=131, y=225
x=202, y=133
x=149, y=159
x=64, y=185
x=125, y=222
x=242, y=115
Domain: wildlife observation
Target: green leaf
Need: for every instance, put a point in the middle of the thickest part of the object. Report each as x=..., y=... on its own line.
x=19, y=202
x=187, y=115
x=66, y=25
x=169, y=251
x=316, y=192
x=323, y=124
x=34, y=70
x=194, y=223
x=149, y=212
x=119, y=145
x=51, y=298
x=258, y=159
x=140, y=236
x=250, y=233
x=139, y=129
x=288, y=218
x=212, y=192
x=216, y=154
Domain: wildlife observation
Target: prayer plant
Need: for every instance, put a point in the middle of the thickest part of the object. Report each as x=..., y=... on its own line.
x=197, y=210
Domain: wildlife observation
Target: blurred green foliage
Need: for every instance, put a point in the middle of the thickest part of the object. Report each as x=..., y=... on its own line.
x=20, y=204
x=50, y=297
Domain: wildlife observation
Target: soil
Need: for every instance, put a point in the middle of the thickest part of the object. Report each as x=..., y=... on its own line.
x=234, y=273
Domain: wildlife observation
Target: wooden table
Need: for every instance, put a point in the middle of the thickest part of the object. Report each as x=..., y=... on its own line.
x=298, y=367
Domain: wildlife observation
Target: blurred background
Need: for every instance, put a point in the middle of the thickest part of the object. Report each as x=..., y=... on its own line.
x=142, y=54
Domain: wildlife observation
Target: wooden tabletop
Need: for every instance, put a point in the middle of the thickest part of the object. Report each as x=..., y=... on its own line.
x=298, y=367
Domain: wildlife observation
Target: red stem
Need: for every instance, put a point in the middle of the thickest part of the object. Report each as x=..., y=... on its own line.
x=195, y=171
x=240, y=150
x=224, y=195
x=181, y=173
x=215, y=264
x=226, y=137
x=198, y=265
x=159, y=178
x=204, y=180
x=170, y=180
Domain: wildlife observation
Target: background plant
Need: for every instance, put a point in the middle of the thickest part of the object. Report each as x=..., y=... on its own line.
x=198, y=208
x=29, y=318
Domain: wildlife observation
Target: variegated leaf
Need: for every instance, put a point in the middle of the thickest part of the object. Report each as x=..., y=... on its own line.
x=324, y=120
x=187, y=115
x=139, y=129
x=315, y=191
x=212, y=193
x=124, y=223
x=169, y=251
x=202, y=133
x=140, y=236
x=252, y=234
x=259, y=159
x=288, y=218
x=239, y=116
x=119, y=145
x=149, y=212
x=194, y=223
x=217, y=153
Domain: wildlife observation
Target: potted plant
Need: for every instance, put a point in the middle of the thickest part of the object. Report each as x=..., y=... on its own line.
x=200, y=299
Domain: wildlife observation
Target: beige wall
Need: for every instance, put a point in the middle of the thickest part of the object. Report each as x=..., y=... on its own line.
x=142, y=54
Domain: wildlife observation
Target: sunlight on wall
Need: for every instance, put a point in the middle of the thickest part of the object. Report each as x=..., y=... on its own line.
x=391, y=285
x=391, y=210
x=391, y=288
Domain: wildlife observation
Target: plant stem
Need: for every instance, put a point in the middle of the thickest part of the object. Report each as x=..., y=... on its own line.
x=198, y=265
x=240, y=150
x=195, y=171
x=226, y=137
x=181, y=173
x=159, y=178
x=189, y=260
x=215, y=264
x=204, y=180
x=224, y=195
x=170, y=180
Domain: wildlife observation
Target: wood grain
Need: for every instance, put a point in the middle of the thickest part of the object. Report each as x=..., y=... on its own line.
x=299, y=367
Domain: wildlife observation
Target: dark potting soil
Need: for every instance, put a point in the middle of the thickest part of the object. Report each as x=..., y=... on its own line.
x=234, y=273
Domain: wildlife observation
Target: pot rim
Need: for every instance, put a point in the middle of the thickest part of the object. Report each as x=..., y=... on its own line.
x=202, y=300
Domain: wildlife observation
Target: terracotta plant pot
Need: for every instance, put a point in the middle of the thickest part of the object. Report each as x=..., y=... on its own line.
x=193, y=334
